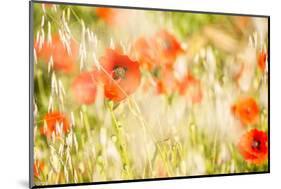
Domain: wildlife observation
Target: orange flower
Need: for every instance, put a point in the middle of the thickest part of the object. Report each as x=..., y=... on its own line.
x=166, y=80
x=84, y=88
x=167, y=46
x=52, y=120
x=38, y=168
x=253, y=146
x=191, y=87
x=112, y=16
x=161, y=49
x=262, y=60
x=246, y=110
x=120, y=75
x=63, y=60
x=146, y=54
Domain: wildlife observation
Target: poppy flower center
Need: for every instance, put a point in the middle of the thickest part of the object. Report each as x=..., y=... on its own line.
x=256, y=144
x=119, y=72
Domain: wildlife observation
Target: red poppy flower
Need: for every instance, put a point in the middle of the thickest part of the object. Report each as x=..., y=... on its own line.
x=167, y=46
x=84, y=88
x=191, y=87
x=159, y=50
x=145, y=53
x=166, y=80
x=112, y=16
x=253, y=146
x=262, y=60
x=246, y=110
x=63, y=60
x=120, y=75
x=38, y=168
x=52, y=120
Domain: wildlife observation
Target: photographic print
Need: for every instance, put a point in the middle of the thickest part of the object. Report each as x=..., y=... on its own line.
x=123, y=94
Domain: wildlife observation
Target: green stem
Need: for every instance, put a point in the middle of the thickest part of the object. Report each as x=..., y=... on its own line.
x=121, y=144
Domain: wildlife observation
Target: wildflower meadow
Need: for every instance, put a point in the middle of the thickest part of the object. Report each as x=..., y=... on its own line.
x=123, y=94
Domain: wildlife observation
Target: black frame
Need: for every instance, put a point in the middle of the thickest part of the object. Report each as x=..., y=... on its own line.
x=31, y=92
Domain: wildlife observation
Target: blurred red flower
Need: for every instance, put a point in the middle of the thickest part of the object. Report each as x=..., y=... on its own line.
x=262, y=60
x=145, y=53
x=38, y=168
x=166, y=80
x=162, y=48
x=52, y=120
x=84, y=87
x=112, y=16
x=246, y=110
x=191, y=87
x=253, y=146
x=167, y=46
x=63, y=60
x=120, y=75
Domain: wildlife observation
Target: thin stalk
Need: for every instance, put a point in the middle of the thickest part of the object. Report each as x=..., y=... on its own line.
x=121, y=144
